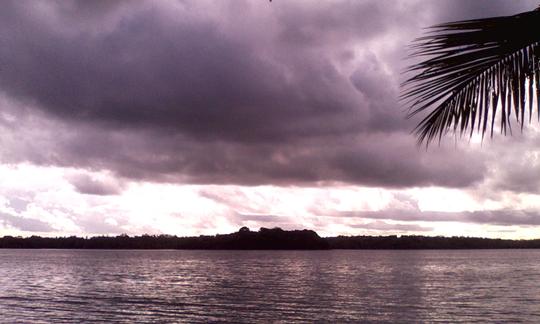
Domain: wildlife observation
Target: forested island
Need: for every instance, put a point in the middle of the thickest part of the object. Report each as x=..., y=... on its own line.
x=264, y=239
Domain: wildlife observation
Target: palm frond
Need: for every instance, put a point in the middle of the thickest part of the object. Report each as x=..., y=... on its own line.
x=473, y=71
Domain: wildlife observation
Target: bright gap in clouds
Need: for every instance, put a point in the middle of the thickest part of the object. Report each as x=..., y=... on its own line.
x=60, y=203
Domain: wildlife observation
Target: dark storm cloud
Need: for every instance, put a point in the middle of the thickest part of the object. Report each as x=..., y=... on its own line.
x=518, y=164
x=186, y=77
x=494, y=217
x=175, y=159
x=280, y=93
x=451, y=10
x=306, y=24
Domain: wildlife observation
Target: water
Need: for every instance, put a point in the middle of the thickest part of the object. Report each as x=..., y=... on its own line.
x=66, y=286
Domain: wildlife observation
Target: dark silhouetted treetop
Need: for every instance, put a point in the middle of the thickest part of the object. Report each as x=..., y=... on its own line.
x=475, y=74
x=244, y=229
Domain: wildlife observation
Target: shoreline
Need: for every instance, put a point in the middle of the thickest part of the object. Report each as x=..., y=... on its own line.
x=265, y=239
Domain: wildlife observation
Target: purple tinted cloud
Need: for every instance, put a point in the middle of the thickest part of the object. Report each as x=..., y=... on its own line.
x=281, y=93
x=86, y=184
x=384, y=226
x=502, y=217
x=25, y=224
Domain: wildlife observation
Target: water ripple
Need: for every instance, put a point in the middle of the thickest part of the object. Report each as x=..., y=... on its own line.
x=66, y=286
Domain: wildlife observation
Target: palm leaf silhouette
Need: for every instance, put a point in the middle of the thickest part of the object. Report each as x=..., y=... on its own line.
x=473, y=71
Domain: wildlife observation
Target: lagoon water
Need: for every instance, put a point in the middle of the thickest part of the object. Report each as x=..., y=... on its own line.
x=67, y=286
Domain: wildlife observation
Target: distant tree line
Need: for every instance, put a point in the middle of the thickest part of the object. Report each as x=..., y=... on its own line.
x=264, y=239
x=411, y=242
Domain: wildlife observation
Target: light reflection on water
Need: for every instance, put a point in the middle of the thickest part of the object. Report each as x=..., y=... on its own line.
x=66, y=286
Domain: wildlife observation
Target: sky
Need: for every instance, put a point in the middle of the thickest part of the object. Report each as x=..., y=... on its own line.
x=194, y=117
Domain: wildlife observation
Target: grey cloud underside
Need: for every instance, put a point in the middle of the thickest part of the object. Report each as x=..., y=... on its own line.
x=276, y=220
x=494, y=217
x=170, y=94
x=25, y=224
x=383, y=226
x=185, y=77
x=87, y=185
x=155, y=157
x=464, y=10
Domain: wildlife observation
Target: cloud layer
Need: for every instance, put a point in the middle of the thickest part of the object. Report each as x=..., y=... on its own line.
x=244, y=93
x=239, y=93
